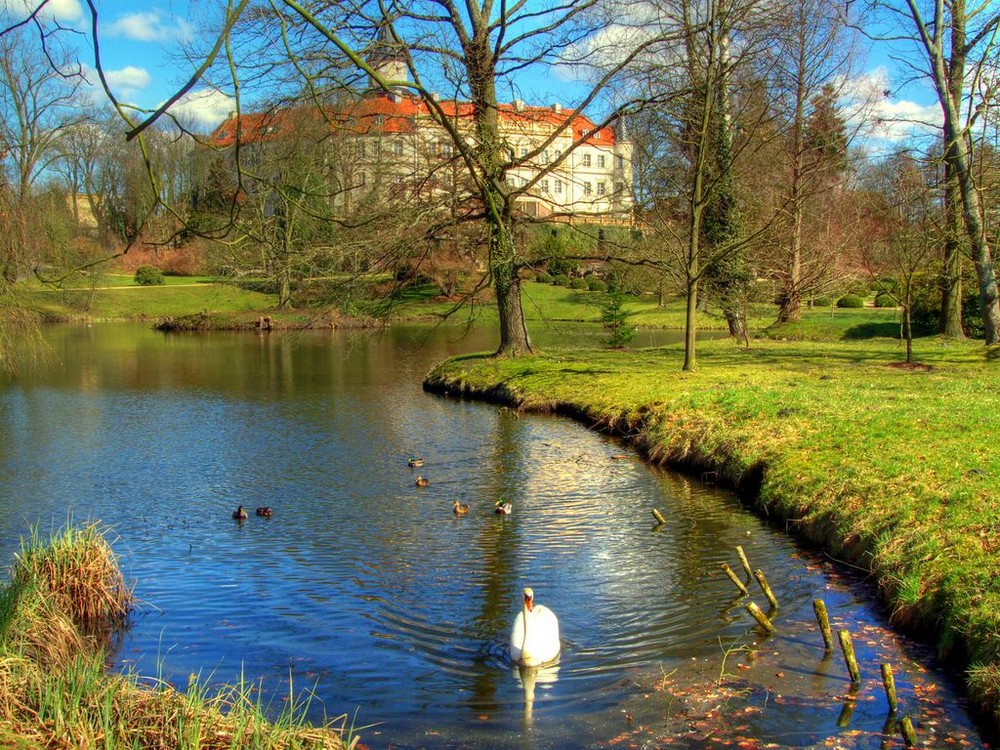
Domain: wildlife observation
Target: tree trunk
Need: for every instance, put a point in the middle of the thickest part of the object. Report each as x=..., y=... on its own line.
x=950, y=323
x=514, y=338
x=957, y=157
x=972, y=213
x=503, y=264
x=691, y=326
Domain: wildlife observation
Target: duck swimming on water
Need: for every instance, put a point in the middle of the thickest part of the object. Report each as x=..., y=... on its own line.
x=240, y=514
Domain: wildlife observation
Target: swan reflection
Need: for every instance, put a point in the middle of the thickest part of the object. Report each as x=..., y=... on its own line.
x=529, y=678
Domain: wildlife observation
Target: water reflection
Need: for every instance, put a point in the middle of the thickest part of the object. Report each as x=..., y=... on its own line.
x=369, y=591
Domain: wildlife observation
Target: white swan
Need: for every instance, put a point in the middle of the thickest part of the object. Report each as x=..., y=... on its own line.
x=534, y=639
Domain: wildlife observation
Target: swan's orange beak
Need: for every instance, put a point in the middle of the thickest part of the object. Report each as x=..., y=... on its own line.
x=529, y=602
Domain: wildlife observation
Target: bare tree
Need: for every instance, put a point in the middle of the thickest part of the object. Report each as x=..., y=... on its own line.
x=705, y=114
x=471, y=49
x=956, y=43
x=812, y=53
x=909, y=234
x=37, y=106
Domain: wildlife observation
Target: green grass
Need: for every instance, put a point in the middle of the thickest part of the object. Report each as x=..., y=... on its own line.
x=119, y=298
x=895, y=469
x=128, y=301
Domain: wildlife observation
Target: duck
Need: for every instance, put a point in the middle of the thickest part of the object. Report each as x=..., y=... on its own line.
x=240, y=514
x=413, y=462
x=421, y=482
x=460, y=509
x=265, y=511
x=534, y=637
x=503, y=507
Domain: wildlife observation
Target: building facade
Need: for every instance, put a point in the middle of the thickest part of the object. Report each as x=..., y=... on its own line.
x=389, y=144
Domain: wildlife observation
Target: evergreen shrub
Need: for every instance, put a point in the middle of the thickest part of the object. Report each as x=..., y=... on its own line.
x=148, y=276
x=850, y=300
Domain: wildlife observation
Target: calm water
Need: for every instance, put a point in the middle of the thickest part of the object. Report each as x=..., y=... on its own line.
x=367, y=590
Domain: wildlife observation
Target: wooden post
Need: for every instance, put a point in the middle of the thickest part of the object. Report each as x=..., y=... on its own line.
x=819, y=607
x=761, y=618
x=890, y=687
x=909, y=735
x=735, y=579
x=852, y=663
x=658, y=516
x=759, y=575
x=744, y=561
x=846, y=712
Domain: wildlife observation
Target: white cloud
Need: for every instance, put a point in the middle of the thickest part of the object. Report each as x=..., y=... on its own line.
x=128, y=80
x=126, y=84
x=150, y=27
x=64, y=11
x=203, y=109
x=869, y=105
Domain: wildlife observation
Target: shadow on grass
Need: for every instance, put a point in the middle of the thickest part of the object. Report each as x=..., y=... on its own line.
x=889, y=330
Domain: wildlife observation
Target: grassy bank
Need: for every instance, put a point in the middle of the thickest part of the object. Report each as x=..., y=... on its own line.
x=892, y=468
x=207, y=302
x=65, y=598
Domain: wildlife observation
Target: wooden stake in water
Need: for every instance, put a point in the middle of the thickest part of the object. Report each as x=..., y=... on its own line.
x=735, y=579
x=906, y=729
x=819, y=607
x=761, y=618
x=890, y=687
x=762, y=580
x=744, y=561
x=852, y=663
x=658, y=516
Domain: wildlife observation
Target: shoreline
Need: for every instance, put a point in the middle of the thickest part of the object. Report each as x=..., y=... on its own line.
x=842, y=524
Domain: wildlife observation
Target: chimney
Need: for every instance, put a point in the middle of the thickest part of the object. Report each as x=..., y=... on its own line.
x=519, y=105
x=557, y=107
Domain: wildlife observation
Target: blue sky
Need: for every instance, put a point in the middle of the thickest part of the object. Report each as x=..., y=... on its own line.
x=142, y=44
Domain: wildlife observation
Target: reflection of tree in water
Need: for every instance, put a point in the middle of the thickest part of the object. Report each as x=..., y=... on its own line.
x=497, y=547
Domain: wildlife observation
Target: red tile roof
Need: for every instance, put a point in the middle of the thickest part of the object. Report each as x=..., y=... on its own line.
x=398, y=114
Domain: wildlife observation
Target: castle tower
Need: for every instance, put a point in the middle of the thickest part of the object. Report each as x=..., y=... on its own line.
x=387, y=59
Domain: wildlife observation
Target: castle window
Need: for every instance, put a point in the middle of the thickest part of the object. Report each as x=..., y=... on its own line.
x=545, y=185
x=600, y=161
x=620, y=161
x=588, y=188
x=397, y=147
x=600, y=188
x=586, y=160
x=558, y=187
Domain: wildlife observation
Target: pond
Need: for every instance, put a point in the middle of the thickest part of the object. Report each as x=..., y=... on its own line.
x=367, y=591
